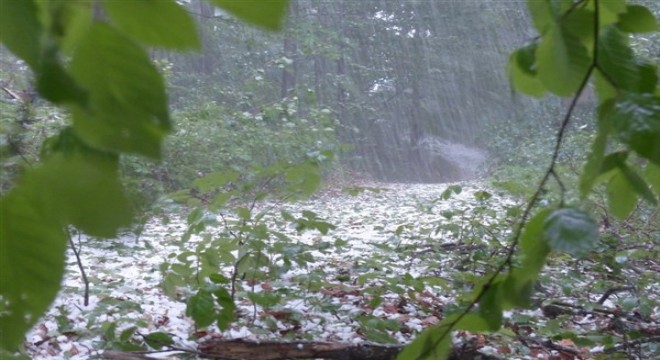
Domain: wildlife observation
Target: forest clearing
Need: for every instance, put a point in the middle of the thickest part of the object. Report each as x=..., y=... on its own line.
x=330, y=179
x=398, y=258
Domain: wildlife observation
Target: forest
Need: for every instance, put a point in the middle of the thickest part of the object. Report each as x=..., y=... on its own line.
x=329, y=179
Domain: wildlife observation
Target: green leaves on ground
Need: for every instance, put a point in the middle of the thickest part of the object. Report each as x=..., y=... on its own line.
x=158, y=340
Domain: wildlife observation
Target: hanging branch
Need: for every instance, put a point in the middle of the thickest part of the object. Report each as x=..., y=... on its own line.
x=550, y=172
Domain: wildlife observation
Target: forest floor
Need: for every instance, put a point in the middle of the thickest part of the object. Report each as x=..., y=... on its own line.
x=399, y=258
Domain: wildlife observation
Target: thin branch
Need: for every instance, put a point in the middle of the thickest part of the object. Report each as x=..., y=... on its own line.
x=628, y=344
x=612, y=291
x=562, y=188
x=532, y=201
x=76, y=252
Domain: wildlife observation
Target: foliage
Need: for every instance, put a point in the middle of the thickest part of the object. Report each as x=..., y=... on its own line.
x=90, y=60
x=396, y=263
x=244, y=245
x=99, y=71
x=579, y=41
x=211, y=139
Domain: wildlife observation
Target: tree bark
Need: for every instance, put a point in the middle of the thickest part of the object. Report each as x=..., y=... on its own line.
x=240, y=350
x=290, y=46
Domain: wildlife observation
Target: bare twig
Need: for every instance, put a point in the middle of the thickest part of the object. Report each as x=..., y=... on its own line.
x=76, y=252
x=628, y=344
x=612, y=291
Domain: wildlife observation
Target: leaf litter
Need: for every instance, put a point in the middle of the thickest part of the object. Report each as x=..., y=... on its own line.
x=399, y=258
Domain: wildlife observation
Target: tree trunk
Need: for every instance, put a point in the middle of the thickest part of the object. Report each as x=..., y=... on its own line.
x=288, y=84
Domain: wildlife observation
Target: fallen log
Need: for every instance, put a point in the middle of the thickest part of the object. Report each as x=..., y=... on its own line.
x=238, y=350
x=220, y=349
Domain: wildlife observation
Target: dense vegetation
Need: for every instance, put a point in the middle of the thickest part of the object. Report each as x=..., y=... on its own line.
x=345, y=90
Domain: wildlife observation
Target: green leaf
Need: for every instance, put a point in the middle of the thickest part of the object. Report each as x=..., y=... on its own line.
x=158, y=340
x=593, y=168
x=55, y=84
x=86, y=192
x=32, y=245
x=127, y=110
x=471, y=322
x=571, y=230
x=304, y=178
x=264, y=13
x=243, y=213
x=215, y=180
x=490, y=307
x=609, y=11
x=593, y=165
x=71, y=177
x=637, y=19
x=219, y=279
x=482, y=195
x=562, y=61
x=522, y=70
x=126, y=334
x=89, y=194
x=616, y=59
x=638, y=184
x=613, y=161
x=604, y=89
x=225, y=317
x=580, y=22
x=615, y=6
x=648, y=74
x=541, y=13
x=265, y=299
x=20, y=30
x=201, y=309
x=6, y=355
x=621, y=197
x=652, y=175
x=431, y=344
x=636, y=119
x=109, y=333
x=534, y=249
x=155, y=22
x=533, y=246
x=71, y=19
x=518, y=288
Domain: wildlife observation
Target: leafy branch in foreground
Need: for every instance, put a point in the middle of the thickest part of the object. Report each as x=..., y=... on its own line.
x=89, y=58
x=581, y=41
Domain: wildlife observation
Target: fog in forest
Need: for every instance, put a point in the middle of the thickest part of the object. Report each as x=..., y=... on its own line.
x=412, y=89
